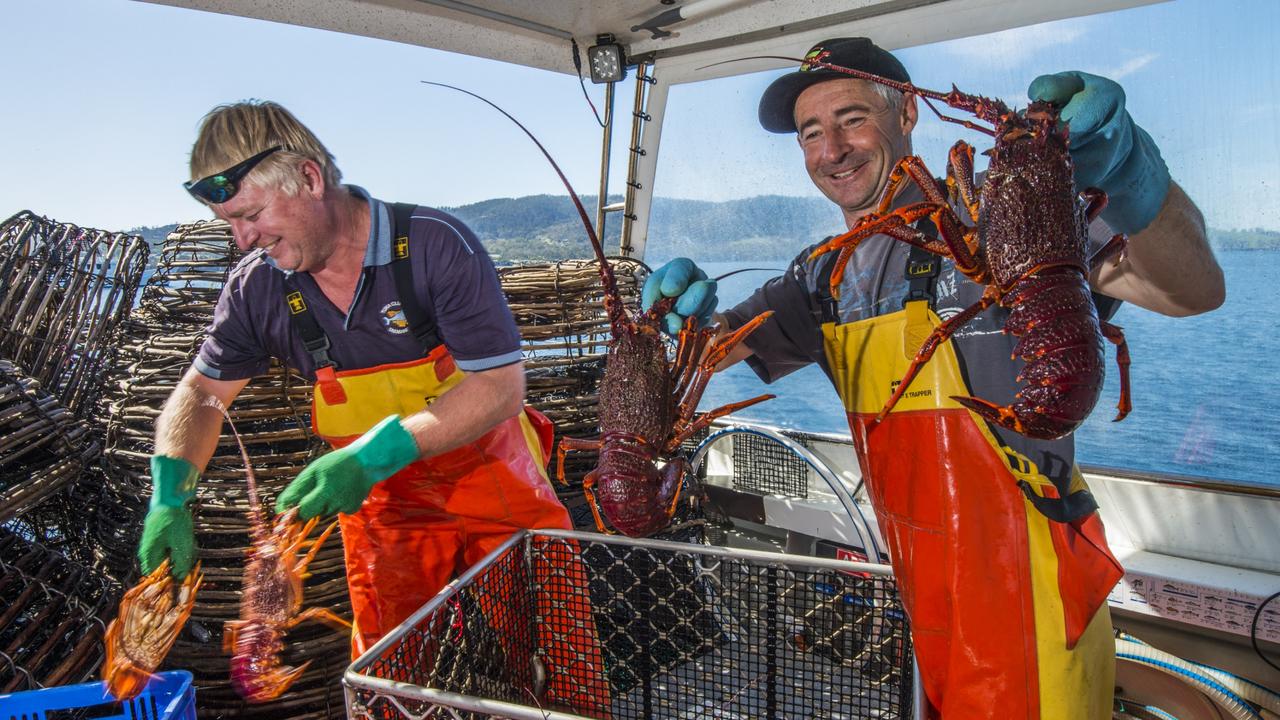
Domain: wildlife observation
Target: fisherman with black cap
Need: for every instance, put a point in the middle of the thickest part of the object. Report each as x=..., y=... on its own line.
x=995, y=540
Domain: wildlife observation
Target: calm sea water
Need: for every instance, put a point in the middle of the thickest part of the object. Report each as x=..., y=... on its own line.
x=1205, y=389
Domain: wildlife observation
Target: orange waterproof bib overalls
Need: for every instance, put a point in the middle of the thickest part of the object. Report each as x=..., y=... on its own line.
x=1007, y=607
x=421, y=527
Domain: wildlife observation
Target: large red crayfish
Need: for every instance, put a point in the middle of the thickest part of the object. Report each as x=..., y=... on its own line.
x=647, y=400
x=1028, y=246
x=272, y=598
x=647, y=405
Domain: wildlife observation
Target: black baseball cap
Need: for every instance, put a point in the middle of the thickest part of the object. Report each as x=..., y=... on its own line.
x=778, y=104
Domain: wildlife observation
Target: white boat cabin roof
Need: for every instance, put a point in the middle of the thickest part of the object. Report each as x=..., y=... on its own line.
x=537, y=33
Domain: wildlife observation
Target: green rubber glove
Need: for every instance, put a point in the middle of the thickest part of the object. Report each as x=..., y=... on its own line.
x=682, y=279
x=340, y=481
x=168, y=529
x=1108, y=150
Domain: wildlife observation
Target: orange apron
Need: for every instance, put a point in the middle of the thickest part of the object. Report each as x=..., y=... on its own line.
x=1008, y=609
x=423, y=526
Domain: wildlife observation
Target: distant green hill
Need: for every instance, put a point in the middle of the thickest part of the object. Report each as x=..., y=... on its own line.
x=769, y=227
x=546, y=227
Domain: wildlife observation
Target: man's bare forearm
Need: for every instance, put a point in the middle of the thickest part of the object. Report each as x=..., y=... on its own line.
x=1169, y=267
x=189, y=424
x=470, y=409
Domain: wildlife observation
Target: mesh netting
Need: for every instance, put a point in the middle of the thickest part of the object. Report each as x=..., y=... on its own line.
x=684, y=631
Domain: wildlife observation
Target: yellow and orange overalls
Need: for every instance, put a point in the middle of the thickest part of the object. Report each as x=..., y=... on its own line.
x=1007, y=607
x=421, y=527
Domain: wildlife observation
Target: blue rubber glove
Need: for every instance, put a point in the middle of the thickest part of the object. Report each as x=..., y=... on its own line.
x=1109, y=151
x=340, y=481
x=682, y=279
x=168, y=529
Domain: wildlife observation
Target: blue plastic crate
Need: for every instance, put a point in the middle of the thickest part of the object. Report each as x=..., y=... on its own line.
x=169, y=696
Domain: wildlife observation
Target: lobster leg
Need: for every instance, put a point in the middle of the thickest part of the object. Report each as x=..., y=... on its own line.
x=274, y=683
x=1116, y=336
x=230, y=632
x=301, y=566
x=319, y=614
x=588, y=489
x=960, y=183
x=292, y=535
x=672, y=482
x=693, y=344
x=702, y=374
x=1004, y=416
x=902, y=171
x=865, y=228
x=960, y=239
x=722, y=347
x=1095, y=202
x=707, y=418
x=567, y=444
x=939, y=335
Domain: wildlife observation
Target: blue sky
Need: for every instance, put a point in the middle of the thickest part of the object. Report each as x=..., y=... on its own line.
x=103, y=98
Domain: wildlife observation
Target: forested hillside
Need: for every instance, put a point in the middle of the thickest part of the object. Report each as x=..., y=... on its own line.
x=546, y=227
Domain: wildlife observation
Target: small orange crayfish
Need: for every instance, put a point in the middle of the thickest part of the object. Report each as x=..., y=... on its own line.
x=145, y=629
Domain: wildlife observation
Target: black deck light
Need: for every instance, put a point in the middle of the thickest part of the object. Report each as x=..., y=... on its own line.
x=606, y=60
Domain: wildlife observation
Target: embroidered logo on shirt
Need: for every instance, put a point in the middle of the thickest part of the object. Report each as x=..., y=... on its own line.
x=393, y=318
x=296, y=304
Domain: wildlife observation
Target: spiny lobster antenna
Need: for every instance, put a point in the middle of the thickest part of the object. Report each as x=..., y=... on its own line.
x=257, y=525
x=819, y=62
x=984, y=108
x=613, y=305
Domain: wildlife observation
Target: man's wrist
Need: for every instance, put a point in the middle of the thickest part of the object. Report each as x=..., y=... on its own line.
x=173, y=481
x=1143, y=187
x=385, y=449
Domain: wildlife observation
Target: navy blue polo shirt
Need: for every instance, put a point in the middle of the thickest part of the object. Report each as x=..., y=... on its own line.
x=457, y=284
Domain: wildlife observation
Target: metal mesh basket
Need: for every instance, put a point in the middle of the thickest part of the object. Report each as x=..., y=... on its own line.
x=680, y=630
x=762, y=465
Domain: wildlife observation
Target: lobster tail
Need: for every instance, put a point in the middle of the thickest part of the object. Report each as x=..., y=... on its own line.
x=124, y=679
x=257, y=674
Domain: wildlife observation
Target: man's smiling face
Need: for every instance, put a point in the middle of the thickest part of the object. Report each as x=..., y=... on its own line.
x=286, y=226
x=852, y=138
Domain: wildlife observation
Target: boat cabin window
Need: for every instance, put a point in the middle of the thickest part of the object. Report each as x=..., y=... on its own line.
x=1200, y=76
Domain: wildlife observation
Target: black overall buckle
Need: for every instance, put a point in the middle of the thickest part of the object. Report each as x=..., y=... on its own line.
x=318, y=349
x=922, y=268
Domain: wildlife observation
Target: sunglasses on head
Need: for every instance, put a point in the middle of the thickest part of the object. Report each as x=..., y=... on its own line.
x=221, y=187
